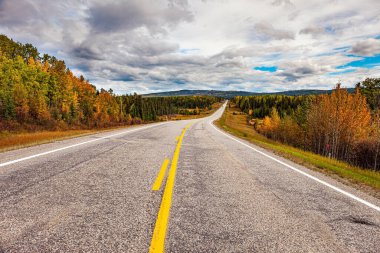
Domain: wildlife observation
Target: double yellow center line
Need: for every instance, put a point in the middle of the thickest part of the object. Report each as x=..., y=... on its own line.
x=161, y=175
x=159, y=233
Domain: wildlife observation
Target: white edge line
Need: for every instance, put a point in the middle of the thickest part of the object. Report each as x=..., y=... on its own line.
x=302, y=172
x=76, y=145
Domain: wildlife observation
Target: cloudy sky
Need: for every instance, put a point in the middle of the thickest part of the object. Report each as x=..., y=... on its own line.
x=157, y=45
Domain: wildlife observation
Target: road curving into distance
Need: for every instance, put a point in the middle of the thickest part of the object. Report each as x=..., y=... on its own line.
x=182, y=186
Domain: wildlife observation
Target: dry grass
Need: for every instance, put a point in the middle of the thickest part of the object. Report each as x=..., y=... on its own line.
x=10, y=141
x=235, y=122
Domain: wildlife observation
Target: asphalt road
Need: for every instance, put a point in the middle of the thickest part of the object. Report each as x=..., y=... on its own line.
x=94, y=194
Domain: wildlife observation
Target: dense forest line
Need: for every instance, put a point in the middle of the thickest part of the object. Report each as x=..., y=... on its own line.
x=261, y=106
x=229, y=94
x=342, y=125
x=41, y=92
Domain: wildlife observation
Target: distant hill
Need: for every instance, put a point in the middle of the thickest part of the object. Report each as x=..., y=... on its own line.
x=216, y=93
x=230, y=94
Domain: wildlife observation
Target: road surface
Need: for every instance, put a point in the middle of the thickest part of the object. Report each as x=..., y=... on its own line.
x=185, y=184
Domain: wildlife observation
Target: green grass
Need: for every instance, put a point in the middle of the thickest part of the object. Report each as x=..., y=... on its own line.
x=236, y=124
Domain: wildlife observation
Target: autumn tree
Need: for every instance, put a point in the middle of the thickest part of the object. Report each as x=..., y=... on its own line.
x=376, y=138
x=41, y=91
x=340, y=120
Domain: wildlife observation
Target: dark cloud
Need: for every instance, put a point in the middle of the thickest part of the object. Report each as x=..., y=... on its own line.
x=16, y=13
x=305, y=70
x=124, y=78
x=290, y=77
x=129, y=15
x=267, y=31
x=369, y=47
x=293, y=71
x=86, y=53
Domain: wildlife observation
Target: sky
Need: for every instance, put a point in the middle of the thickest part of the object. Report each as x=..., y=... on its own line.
x=148, y=46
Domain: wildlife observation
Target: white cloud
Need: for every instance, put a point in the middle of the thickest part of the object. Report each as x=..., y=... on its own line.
x=143, y=45
x=269, y=32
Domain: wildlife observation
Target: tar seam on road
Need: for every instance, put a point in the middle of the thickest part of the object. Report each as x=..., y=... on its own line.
x=159, y=233
x=76, y=145
x=303, y=173
x=161, y=175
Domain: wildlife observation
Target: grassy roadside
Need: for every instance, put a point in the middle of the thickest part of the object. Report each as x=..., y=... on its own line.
x=235, y=122
x=11, y=141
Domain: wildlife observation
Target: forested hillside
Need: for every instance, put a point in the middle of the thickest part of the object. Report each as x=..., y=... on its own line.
x=232, y=93
x=39, y=91
x=342, y=125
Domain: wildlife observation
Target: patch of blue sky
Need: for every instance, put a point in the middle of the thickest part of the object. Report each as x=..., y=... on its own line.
x=353, y=55
x=178, y=81
x=82, y=67
x=366, y=62
x=266, y=68
x=342, y=48
x=274, y=56
x=345, y=71
x=325, y=54
x=188, y=50
x=330, y=29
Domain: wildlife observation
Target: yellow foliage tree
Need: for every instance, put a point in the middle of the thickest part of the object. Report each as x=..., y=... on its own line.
x=339, y=121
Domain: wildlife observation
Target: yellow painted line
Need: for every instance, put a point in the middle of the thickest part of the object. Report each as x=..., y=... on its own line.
x=161, y=175
x=157, y=244
x=176, y=138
